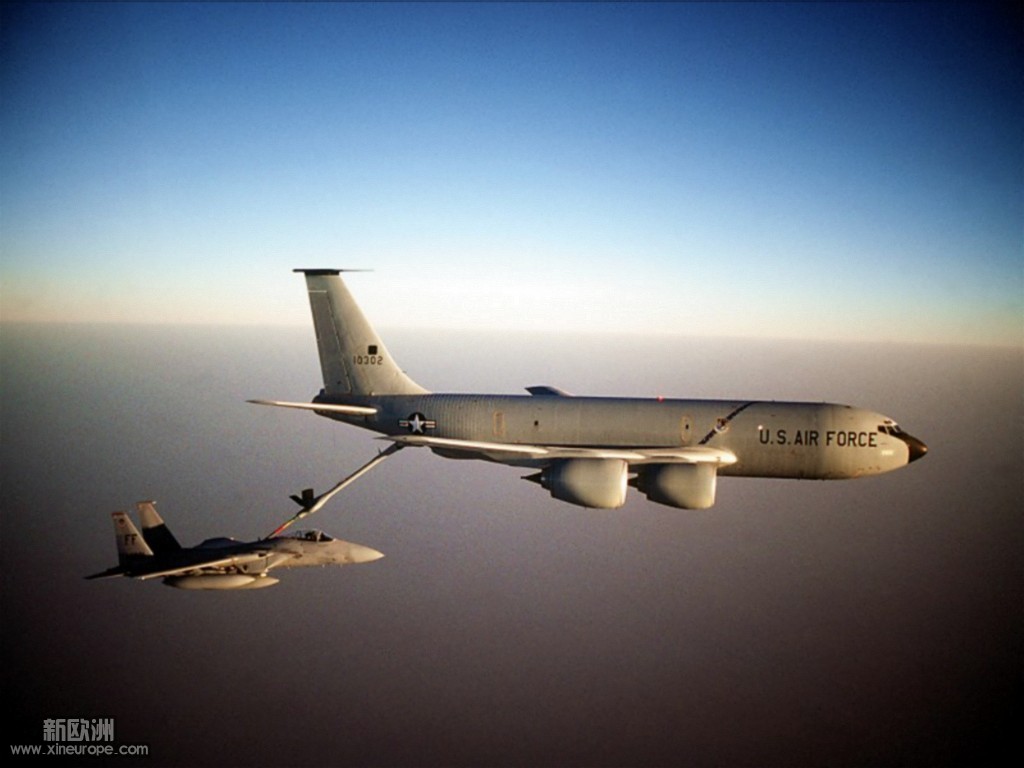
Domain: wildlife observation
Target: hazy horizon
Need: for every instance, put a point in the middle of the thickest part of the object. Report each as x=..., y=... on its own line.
x=388, y=331
x=869, y=621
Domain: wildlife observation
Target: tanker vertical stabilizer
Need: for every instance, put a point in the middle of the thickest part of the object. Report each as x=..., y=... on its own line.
x=353, y=359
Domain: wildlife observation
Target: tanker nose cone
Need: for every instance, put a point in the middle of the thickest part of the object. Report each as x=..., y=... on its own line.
x=916, y=448
x=357, y=553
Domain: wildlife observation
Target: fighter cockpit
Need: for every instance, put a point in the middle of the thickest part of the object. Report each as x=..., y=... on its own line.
x=311, y=535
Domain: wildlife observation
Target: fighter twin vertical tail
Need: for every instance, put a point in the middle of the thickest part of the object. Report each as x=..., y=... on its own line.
x=155, y=530
x=353, y=359
x=130, y=543
x=131, y=547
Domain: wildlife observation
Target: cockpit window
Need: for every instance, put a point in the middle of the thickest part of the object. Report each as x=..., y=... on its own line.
x=890, y=429
x=311, y=535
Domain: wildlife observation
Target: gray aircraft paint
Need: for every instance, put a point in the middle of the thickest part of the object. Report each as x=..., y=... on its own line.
x=364, y=386
x=219, y=563
x=770, y=439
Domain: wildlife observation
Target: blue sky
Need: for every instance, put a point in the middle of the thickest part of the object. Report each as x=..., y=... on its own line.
x=800, y=171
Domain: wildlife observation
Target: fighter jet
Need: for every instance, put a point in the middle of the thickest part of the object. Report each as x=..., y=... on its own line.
x=219, y=563
x=589, y=450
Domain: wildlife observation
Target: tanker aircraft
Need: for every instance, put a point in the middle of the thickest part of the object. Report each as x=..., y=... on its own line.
x=589, y=450
x=221, y=563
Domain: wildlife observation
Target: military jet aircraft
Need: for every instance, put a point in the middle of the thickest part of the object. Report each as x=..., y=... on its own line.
x=589, y=450
x=220, y=563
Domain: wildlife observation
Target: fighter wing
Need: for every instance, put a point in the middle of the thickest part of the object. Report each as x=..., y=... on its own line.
x=110, y=573
x=351, y=410
x=507, y=452
x=203, y=565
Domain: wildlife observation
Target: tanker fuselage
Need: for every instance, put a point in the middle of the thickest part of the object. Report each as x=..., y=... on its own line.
x=769, y=439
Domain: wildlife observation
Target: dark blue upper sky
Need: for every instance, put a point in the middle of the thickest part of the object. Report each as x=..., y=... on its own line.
x=790, y=170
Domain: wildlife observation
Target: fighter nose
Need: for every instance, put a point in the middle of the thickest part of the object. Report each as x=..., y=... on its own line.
x=357, y=553
x=916, y=448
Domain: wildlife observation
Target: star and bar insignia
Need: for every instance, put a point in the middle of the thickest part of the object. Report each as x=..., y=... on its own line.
x=417, y=423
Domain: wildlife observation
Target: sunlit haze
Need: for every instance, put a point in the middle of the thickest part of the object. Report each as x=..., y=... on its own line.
x=827, y=171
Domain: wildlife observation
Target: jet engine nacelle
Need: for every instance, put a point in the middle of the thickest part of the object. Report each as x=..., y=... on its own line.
x=220, y=581
x=598, y=483
x=687, y=486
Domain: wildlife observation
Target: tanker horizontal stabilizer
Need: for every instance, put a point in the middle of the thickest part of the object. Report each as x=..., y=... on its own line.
x=350, y=410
